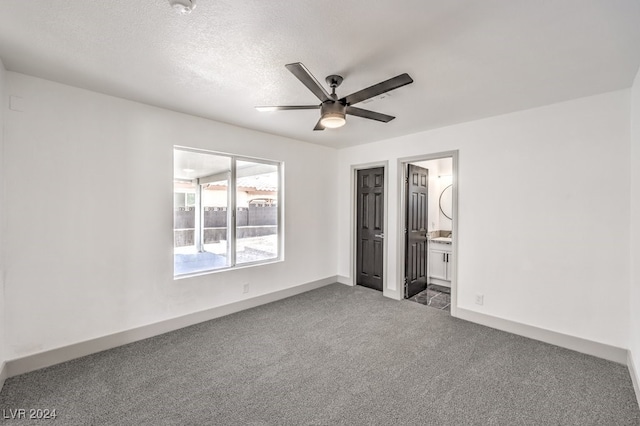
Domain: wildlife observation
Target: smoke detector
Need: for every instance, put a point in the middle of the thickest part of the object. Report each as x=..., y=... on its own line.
x=183, y=7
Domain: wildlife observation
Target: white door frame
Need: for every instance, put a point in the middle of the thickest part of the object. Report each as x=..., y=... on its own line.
x=402, y=175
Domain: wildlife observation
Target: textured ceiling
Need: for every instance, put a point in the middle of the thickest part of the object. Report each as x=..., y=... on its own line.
x=469, y=59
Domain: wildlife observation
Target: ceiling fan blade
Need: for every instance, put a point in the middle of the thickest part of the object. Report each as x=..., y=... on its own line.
x=303, y=74
x=319, y=125
x=377, y=89
x=365, y=113
x=286, y=107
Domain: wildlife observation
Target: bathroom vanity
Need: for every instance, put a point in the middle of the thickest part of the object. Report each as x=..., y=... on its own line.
x=440, y=261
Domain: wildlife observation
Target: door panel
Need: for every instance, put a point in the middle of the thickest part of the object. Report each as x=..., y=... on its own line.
x=370, y=214
x=417, y=190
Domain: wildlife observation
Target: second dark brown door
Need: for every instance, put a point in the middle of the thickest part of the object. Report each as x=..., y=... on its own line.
x=417, y=191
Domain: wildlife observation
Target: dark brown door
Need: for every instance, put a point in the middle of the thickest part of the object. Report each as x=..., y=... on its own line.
x=417, y=185
x=370, y=234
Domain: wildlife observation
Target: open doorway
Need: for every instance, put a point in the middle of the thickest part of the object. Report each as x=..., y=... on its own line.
x=429, y=222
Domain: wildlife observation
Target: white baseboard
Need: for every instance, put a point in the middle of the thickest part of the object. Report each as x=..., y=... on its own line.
x=600, y=350
x=3, y=374
x=47, y=358
x=345, y=280
x=633, y=372
x=397, y=294
x=391, y=294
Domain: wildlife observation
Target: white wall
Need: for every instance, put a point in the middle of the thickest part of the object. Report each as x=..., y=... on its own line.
x=3, y=107
x=634, y=328
x=533, y=233
x=536, y=189
x=81, y=266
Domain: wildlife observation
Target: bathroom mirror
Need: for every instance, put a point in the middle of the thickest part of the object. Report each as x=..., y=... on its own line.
x=446, y=206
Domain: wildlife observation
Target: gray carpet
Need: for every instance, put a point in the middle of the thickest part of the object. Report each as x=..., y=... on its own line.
x=336, y=355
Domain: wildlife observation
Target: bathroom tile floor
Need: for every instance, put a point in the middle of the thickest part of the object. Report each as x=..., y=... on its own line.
x=435, y=296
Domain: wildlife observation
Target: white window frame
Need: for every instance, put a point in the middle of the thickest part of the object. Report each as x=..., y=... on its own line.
x=232, y=209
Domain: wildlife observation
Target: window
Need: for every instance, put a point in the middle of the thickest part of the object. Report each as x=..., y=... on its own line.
x=226, y=211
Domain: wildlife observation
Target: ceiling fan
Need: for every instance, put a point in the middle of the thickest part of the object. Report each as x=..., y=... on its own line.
x=332, y=109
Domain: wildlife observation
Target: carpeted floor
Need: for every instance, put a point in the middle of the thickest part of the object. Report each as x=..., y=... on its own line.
x=336, y=355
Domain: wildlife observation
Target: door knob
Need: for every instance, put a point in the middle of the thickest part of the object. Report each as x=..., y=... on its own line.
x=379, y=235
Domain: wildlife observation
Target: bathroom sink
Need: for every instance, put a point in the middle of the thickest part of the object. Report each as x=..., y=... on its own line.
x=442, y=239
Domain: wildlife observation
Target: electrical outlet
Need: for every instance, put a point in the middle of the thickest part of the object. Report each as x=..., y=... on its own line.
x=479, y=299
x=245, y=288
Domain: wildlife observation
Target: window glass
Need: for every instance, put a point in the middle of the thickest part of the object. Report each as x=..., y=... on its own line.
x=226, y=211
x=257, y=211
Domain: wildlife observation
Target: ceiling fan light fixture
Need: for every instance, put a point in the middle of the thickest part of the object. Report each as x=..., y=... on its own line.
x=183, y=7
x=333, y=120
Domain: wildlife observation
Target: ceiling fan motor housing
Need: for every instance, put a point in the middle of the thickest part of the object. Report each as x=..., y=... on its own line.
x=332, y=107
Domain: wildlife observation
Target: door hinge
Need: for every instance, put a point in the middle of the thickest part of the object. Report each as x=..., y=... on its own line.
x=406, y=287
